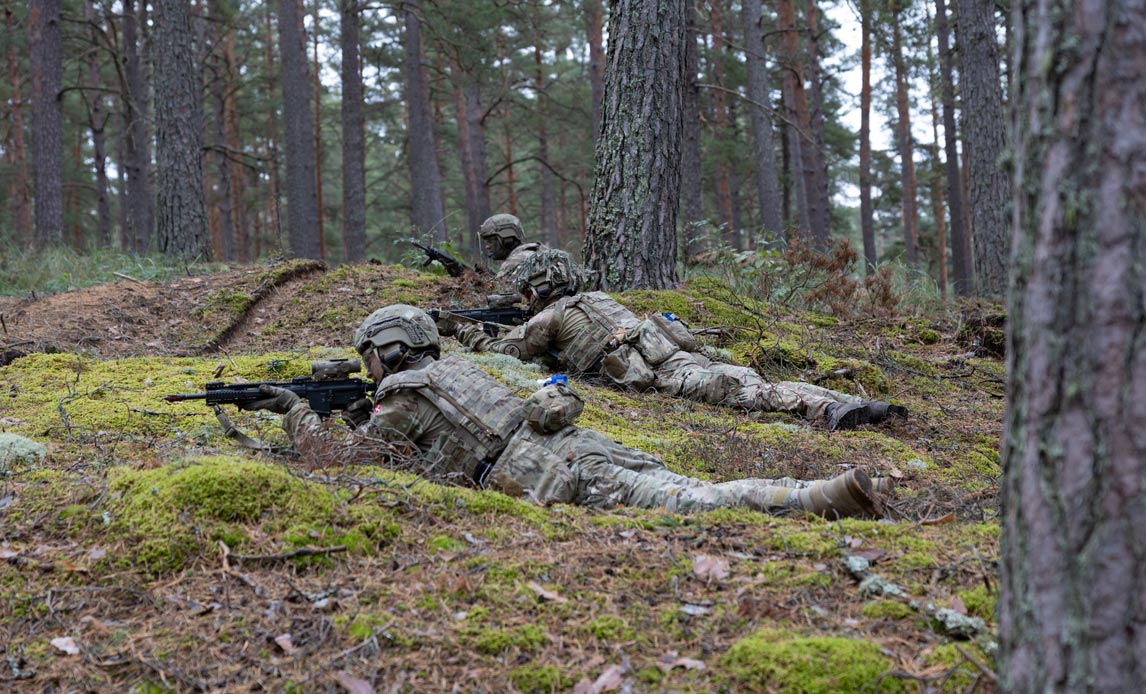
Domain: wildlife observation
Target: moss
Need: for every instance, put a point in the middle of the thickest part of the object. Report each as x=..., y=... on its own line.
x=171, y=513
x=889, y=609
x=979, y=602
x=18, y=452
x=843, y=374
x=775, y=661
x=804, y=543
x=445, y=543
x=527, y=637
x=610, y=628
x=963, y=673
x=539, y=679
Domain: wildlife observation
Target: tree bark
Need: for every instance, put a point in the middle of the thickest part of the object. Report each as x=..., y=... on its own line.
x=220, y=89
x=319, y=206
x=302, y=201
x=140, y=194
x=960, y=243
x=636, y=192
x=1074, y=453
x=867, y=222
x=936, y=175
x=805, y=158
x=181, y=222
x=271, y=146
x=353, y=147
x=594, y=21
x=760, y=113
x=21, y=202
x=720, y=124
x=47, y=140
x=548, y=203
x=819, y=176
x=97, y=121
x=691, y=181
x=425, y=180
x=985, y=140
x=903, y=134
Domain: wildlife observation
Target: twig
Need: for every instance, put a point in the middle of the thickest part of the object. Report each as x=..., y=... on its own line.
x=128, y=277
x=300, y=552
x=990, y=674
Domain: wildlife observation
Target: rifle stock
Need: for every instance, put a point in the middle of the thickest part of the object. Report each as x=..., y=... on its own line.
x=493, y=320
x=453, y=266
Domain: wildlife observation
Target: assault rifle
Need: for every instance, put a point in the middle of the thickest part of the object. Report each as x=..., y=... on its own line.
x=329, y=388
x=493, y=320
x=453, y=266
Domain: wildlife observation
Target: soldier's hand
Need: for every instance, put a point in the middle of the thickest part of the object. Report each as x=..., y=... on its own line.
x=357, y=413
x=447, y=324
x=273, y=398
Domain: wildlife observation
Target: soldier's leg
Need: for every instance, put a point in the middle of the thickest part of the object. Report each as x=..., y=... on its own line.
x=694, y=376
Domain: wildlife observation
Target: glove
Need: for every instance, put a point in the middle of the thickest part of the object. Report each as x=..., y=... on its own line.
x=275, y=399
x=357, y=413
x=447, y=324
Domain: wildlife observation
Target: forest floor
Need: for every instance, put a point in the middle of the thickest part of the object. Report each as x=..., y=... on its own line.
x=141, y=550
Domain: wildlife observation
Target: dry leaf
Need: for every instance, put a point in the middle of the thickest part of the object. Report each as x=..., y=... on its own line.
x=872, y=555
x=709, y=569
x=609, y=680
x=66, y=644
x=352, y=684
x=958, y=606
x=97, y=553
x=895, y=472
x=284, y=642
x=941, y=520
x=669, y=661
x=545, y=594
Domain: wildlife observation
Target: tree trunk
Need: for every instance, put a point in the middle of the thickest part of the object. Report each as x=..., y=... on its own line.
x=805, y=157
x=97, y=121
x=903, y=134
x=425, y=181
x=936, y=175
x=960, y=246
x=720, y=124
x=691, y=181
x=140, y=195
x=302, y=202
x=220, y=88
x=548, y=204
x=636, y=191
x=319, y=208
x=181, y=221
x=792, y=82
x=816, y=119
x=21, y=204
x=594, y=20
x=274, y=199
x=471, y=147
x=867, y=223
x=238, y=172
x=47, y=141
x=985, y=141
x=353, y=147
x=760, y=113
x=1074, y=453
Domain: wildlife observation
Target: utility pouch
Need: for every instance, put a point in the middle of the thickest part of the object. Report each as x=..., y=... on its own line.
x=526, y=468
x=676, y=330
x=625, y=367
x=654, y=344
x=552, y=408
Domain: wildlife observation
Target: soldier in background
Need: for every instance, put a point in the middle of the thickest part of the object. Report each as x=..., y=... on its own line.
x=590, y=333
x=470, y=429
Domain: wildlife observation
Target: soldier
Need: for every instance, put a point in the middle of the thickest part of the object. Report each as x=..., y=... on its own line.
x=503, y=239
x=590, y=333
x=470, y=429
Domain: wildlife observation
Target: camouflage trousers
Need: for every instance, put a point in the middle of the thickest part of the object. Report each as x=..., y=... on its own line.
x=696, y=377
x=581, y=466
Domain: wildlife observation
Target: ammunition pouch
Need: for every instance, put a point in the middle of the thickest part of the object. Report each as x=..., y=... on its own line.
x=626, y=368
x=527, y=468
x=552, y=408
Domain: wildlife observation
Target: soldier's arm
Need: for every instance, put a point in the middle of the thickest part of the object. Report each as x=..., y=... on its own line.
x=533, y=339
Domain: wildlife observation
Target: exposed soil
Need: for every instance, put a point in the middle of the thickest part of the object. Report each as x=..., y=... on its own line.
x=491, y=601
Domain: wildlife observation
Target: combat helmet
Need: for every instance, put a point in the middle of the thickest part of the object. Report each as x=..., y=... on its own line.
x=502, y=226
x=398, y=332
x=549, y=275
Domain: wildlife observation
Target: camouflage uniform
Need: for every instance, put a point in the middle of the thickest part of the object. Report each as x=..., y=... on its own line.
x=591, y=333
x=471, y=429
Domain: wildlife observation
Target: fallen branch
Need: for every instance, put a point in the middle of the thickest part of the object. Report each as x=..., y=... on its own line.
x=300, y=552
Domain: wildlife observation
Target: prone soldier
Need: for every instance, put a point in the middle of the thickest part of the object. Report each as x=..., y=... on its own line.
x=470, y=429
x=590, y=333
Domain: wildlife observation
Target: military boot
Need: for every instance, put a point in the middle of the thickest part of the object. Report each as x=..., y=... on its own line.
x=849, y=494
x=884, y=487
x=849, y=415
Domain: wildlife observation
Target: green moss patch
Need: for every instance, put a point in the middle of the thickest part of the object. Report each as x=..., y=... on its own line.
x=774, y=661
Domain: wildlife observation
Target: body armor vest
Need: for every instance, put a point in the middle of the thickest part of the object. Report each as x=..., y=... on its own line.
x=606, y=319
x=485, y=414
